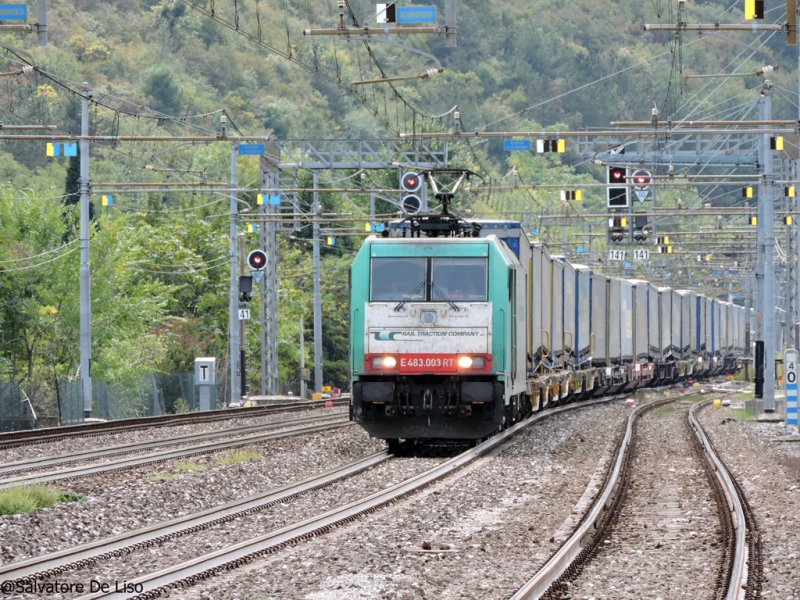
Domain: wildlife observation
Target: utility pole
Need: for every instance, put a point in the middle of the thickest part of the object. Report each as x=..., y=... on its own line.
x=748, y=333
x=242, y=322
x=85, y=275
x=768, y=300
x=302, y=357
x=233, y=321
x=41, y=26
x=270, y=179
x=317, y=294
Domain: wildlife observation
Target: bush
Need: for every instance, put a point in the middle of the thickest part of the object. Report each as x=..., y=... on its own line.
x=27, y=498
x=239, y=457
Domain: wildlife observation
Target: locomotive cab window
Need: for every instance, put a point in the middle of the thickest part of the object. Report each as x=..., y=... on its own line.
x=458, y=279
x=397, y=279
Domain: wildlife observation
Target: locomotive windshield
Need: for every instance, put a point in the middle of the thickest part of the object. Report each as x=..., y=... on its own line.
x=432, y=279
x=458, y=279
x=396, y=279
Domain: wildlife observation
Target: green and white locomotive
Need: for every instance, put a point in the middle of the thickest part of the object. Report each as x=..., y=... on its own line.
x=438, y=333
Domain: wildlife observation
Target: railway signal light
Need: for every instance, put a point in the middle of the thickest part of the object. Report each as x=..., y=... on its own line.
x=245, y=288
x=642, y=178
x=617, y=190
x=257, y=260
x=617, y=228
x=747, y=192
x=551, y=146
x=411, y=183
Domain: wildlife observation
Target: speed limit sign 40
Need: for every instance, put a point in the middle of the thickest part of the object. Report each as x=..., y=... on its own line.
x=790, y=378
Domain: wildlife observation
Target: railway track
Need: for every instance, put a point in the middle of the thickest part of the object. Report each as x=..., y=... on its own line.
x=39, y=436
x=185, y=573
x=741, y=541
x=54, y=564
x=45, y=462
x=312, y=426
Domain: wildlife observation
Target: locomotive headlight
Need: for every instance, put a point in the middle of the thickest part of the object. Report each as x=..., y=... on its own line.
x=465, y=362
x=384, y=362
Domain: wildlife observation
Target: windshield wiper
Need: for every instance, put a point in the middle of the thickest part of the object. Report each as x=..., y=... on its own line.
x=444, y=297
x=408, y=296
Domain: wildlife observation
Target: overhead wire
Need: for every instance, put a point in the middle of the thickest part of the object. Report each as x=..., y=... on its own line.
x=29, y=267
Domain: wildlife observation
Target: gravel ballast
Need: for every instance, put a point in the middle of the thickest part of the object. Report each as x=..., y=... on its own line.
x=477, y=534
x=769, y=473
x=126, y=500
x=95, y=441
x=666, y=542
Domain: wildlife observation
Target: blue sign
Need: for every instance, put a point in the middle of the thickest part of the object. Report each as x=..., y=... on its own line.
x=274, y=198
x=733, y=271
x=580, y=249
x=71, y=149
x=13, y=12
x=516, y=145
x=416, y=14
x=251, y=148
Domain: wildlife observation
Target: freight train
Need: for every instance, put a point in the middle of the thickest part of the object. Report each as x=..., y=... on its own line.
x=461, y=327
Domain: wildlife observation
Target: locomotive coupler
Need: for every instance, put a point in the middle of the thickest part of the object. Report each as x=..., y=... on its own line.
x=427, y=402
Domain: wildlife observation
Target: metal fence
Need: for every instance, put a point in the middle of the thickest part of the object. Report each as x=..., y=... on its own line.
x=70, y=402
x=15, y=409
x=143, y=396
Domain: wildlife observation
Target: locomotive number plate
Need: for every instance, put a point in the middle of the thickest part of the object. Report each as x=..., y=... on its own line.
x=427, y=363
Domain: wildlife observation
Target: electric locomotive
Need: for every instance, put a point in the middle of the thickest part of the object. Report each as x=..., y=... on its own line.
x=438, y=333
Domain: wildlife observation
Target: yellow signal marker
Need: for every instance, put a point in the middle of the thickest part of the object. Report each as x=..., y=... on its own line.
x=753, y=9
x=789, y=192
x=776, y=143
x=747, y=192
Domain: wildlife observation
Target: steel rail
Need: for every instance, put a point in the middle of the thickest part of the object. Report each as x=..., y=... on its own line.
x=582, y=544
x=569, y=552
x=81, y=455
x=39, y=436
x=208, y=565
x=156, y=457
x=740, y=580
x=53, y=564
